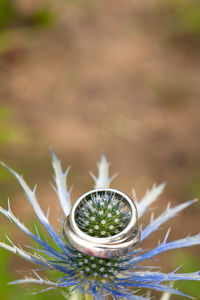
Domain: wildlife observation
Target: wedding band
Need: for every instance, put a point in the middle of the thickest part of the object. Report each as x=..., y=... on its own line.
x=105, y=247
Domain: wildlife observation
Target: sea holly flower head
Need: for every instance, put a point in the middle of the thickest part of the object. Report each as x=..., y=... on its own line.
x=103, y=215
x=121, y=277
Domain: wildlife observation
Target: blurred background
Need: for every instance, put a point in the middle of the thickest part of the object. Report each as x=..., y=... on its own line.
x=84, y=77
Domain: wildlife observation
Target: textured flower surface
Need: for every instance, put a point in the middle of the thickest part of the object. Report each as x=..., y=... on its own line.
x=121, y=277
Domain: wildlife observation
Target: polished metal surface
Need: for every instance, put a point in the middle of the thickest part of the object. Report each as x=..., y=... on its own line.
x=108, y=247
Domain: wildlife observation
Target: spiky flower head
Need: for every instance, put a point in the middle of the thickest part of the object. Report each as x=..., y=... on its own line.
x=121, y=277
x=103, y=215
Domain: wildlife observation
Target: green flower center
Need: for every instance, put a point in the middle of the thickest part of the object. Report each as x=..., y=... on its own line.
x=103, y=215
x=95, y=267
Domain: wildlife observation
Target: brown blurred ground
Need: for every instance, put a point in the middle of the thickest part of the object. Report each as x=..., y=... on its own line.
x=107, y=76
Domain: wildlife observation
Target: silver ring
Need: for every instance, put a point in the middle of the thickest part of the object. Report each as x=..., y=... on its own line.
x=113, y=245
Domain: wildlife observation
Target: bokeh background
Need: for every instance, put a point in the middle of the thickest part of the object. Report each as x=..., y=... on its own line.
x=84, y=77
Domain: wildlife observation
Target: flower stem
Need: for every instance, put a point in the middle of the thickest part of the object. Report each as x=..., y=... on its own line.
x=88, y=297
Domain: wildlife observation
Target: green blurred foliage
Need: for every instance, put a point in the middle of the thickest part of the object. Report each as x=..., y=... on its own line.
x=8, y=131
x=193, y=187
x=43, y=17
x=190, y=264
x=8, y=12
x=5, y=41
x=188, y=16
x=181, y=21
x=4, y=175
x=11, y=15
